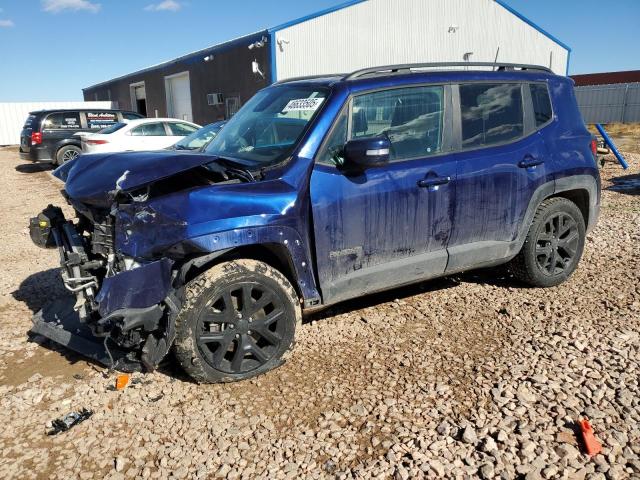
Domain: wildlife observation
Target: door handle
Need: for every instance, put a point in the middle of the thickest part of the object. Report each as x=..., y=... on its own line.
x=530, y=162
x=433, y=182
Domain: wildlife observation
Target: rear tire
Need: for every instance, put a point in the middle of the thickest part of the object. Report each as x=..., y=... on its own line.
x=67, y=153
x=554, y=244
x=238, y=321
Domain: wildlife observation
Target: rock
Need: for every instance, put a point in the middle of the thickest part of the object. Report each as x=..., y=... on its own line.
x=487, y=471
x=119, y=464
x=567, y=452
x=469, y=435
x=437, y=467
x=489, y=445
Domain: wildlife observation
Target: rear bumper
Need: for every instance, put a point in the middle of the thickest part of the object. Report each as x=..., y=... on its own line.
x=37, y=155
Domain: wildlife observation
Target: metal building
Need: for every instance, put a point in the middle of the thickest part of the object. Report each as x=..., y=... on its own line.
x=212, y=83
x=612, y=97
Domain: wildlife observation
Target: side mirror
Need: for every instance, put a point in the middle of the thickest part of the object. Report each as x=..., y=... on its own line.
x=363, y=153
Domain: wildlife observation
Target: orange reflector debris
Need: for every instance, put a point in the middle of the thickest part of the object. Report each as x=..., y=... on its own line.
x=122, y=381
x=592, y=446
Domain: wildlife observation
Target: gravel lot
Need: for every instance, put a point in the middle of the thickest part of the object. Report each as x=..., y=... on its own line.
x=466, y=377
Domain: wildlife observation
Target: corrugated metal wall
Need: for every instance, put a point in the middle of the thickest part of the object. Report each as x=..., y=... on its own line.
x=13, y=115
x=382, y=32
x=618, y=103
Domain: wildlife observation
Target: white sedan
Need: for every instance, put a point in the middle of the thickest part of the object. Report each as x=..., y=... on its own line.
x=138, y=135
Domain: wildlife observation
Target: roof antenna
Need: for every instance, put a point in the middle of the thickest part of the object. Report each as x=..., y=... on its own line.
x=467, y=57
x=496, y=59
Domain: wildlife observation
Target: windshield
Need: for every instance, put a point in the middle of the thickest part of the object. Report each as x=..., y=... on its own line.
x=113, y=128
x=268, y=128
x=199, y=139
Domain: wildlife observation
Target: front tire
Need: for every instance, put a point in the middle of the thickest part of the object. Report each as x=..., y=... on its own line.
x=67, y=153
x=554, y=244
x=238, y=321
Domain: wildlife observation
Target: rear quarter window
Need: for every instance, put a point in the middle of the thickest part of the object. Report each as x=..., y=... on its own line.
x=491, y=114
x=63, y=121
x=541, y=103
x=29, y=122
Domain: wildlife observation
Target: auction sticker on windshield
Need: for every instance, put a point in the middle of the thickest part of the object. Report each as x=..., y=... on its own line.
x=303, y=104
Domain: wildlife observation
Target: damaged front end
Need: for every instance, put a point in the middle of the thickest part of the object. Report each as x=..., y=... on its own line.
x=144, y=224
x=128, y=305
x=124, y=299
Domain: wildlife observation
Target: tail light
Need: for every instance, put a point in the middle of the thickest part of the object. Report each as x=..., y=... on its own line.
x=95, y=142
x=36, y=138
x=594, y=147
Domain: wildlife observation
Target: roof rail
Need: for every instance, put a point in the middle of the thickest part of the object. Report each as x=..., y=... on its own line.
x=308, y=77
x=407, y=68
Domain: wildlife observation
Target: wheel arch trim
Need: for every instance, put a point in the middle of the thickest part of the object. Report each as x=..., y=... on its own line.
x=280, y=247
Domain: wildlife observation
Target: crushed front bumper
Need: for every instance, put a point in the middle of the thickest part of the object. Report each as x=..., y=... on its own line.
x=59, y=322
x=115, y=319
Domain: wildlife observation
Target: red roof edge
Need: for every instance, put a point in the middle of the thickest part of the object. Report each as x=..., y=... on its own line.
x=607, y=78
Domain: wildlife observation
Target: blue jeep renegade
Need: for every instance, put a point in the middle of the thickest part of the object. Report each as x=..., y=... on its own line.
x=318, y=190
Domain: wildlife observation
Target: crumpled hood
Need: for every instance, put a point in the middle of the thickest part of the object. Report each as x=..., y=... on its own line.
x=97, y=178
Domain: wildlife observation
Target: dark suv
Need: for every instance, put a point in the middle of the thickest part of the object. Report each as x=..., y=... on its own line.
x=320, y=190
x=50, y=135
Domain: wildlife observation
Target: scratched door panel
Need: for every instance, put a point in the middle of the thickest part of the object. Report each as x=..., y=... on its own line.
x=493, y=191
x=379, y=217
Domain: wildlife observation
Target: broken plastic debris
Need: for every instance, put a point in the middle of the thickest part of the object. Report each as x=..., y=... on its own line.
x=591, y=445
x=69, y=421
x=122, y=381
x=121, y=180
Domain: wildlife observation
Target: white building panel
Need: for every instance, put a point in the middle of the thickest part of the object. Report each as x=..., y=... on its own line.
x=384, y=32
x=13, y=115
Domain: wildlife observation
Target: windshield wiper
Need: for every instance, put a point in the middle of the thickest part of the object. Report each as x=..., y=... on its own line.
x=236, y=168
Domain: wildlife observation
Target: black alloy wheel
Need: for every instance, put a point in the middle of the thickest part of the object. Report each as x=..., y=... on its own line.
x=238, y=320
x=553, y=245
x=557, y=243
x=242, y=329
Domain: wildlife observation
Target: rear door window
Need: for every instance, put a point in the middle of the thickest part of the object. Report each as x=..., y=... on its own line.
x=541, y=103
x=63, y=121
x=149, y=130
x=97, y=120
x=181, y=129
x=491, y=114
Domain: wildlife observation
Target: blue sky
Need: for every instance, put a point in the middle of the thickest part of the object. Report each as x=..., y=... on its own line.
x=51, y=49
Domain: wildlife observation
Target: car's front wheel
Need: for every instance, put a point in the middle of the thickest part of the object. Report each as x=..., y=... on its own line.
x=238, y=320
x=554, y=244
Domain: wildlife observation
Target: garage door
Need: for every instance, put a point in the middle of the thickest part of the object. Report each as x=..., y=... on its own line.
x=179, y=96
